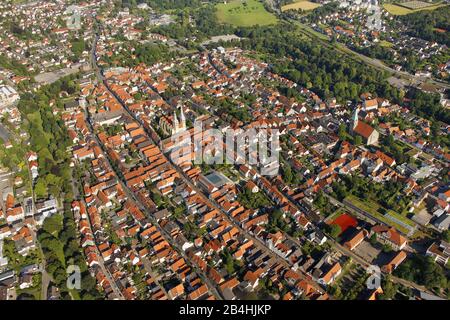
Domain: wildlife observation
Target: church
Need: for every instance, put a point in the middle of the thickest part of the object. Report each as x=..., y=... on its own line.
x=368, y=133
x=171, y=124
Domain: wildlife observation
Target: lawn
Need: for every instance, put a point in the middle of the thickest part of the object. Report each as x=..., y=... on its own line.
x=386, y=44
x=244, y=13
x=301, y=5
x=398, y=10
x=335, y=215
x=35, y=292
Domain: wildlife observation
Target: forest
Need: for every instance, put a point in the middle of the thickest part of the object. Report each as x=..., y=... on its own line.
x=49, y=138
x=164, y=4
x=58, y=240
x=323, y=70
x=425, y=24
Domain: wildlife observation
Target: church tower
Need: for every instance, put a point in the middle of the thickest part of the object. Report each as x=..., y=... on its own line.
x=355, y=119
x=182, y=119
x=175, y=123
x=179, y=125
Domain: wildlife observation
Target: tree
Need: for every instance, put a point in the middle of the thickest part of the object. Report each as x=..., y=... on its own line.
x=373, y=239
x=389, y=289
x=446, y=235
x=320, y=200
x=422, y=270
x=336, y=291
x=287, y=173
x=87, y=282
x=53, y=225
x=342, y=132
x=40, y=188
x=157, y=198
x=358, y=140
x=334, y=230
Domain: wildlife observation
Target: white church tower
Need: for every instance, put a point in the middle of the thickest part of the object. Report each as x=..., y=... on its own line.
x=179, y=126
x=355, y=119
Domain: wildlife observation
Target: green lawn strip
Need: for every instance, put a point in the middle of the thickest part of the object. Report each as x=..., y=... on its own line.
x=372, y=209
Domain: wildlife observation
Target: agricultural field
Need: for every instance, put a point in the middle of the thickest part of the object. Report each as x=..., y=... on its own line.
x=301, y=5
x=244, y=13
x=405, y=8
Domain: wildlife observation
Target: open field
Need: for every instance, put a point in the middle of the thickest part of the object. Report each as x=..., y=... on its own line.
x=406, y=8
x=244, y=13
x=301, y=4
x=414, y=5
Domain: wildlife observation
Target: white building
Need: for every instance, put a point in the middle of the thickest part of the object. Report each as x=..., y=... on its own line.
x=45, y=209
x=8, y=96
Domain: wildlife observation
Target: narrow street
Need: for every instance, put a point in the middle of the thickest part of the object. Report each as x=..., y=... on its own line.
x=45, y=281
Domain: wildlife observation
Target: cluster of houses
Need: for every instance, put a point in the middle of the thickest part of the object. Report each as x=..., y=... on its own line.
x=38, y=40
x=8, y=96
x=20, y=221
x=349, y=25
x=209, y=201
x=310, y=125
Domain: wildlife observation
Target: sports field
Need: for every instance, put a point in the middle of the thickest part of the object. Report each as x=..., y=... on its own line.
x=345, y=221
x=301, y=4
x=244, y=13
x=404, y=8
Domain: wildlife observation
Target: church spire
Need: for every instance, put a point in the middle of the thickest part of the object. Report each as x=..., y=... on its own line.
x=355, y=118
x=182, y=118
x=176, y=124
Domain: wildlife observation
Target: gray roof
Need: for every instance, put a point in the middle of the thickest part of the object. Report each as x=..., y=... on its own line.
x=427, y=296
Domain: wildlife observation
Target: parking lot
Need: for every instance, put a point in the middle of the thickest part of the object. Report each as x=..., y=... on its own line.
x=367, y=251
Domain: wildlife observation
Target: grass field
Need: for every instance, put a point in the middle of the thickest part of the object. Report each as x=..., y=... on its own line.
x=244, y=13
x=398, y=10
x=301, y=4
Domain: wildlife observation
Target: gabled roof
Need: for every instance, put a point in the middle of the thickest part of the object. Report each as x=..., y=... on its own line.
x=363, y=129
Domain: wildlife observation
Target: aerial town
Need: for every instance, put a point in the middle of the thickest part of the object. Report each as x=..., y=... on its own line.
x=224, y=150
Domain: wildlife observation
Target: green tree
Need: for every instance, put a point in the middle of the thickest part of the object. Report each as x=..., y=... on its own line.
x=358, y=140
x=334, y=230
x=40, y=188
